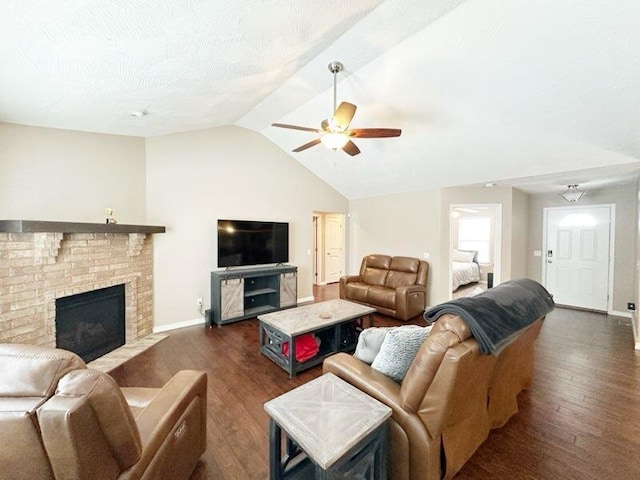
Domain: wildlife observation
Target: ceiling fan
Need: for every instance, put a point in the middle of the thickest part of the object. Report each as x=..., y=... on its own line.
x=334, y=131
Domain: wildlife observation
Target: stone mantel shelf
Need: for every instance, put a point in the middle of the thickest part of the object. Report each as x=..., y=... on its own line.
x=39, y=226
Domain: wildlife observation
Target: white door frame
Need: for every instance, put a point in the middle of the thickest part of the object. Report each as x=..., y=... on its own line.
x=315, y=223
x=319, y=245
x=340, y=218
x=612, y=244
x=497, y=265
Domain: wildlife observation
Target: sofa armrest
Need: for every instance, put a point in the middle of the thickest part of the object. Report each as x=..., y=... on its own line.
x=363, y=377
x=344, y=281
x=174, y=420
x=411, y=300
x=406, y=428
x=374, y=384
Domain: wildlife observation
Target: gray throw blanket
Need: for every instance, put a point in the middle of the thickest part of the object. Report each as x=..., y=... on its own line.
x=496, y=315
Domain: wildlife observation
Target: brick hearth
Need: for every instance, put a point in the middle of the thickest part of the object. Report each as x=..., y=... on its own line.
x=38, y=268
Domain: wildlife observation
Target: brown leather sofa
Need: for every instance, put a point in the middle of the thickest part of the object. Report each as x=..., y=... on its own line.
x=394, y=286
x=449, y=400
x=60, y=420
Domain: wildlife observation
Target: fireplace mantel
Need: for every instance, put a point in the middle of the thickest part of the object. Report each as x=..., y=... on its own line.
x=39, y=226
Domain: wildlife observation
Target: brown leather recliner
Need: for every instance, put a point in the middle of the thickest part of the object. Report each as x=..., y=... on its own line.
x=394, y=286
x=60, y=420
x=449, y=400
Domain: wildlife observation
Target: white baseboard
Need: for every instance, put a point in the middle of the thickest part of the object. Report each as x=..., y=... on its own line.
x=201, y=320
x=174, y=326
x=306, y=300
x=619, y=313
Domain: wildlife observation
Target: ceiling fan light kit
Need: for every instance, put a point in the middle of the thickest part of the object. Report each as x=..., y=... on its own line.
x=334, y=141
x=572, y=194
x=334, y=131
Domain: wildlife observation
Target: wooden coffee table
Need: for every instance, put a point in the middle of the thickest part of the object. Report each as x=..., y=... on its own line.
x=328, y=320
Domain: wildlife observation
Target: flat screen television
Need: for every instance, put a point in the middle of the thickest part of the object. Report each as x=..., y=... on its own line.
x=245, y=242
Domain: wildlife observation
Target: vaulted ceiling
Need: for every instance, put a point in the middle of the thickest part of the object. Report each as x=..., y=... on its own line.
x=483, y=90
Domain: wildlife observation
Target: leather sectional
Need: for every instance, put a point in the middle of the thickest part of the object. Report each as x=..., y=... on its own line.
x=450, y=399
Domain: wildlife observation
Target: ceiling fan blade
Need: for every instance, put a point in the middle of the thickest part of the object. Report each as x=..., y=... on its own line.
x=344, y=114
x=375, y=132
x=351, y=148
x=294, y=127
x=307, y=145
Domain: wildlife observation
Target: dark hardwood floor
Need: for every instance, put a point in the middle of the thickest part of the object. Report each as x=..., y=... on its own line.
x=579, y=420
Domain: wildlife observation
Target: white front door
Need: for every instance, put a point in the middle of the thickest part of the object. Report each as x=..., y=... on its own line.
x=333, y=247
x=576, y=256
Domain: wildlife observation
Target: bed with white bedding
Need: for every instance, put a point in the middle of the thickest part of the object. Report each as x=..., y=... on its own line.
x=465, y=268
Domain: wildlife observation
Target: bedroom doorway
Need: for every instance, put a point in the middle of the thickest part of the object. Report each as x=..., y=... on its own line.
x=328, y=247
x=475, y=248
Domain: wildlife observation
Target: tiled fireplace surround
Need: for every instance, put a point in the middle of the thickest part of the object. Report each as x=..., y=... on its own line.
x=37, y=268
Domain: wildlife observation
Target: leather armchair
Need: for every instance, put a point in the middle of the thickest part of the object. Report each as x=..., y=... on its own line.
x=89, y=428
x=394, y=286
x=28, y=378
x=449, y=400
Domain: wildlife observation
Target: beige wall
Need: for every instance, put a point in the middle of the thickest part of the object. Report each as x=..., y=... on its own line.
x=625, y=199
x=50, y=174
x=412, y=223
x=195, y=178
x=405, y=224
x=519, y=234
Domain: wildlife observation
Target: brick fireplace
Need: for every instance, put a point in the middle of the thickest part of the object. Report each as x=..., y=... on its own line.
x=41, y=262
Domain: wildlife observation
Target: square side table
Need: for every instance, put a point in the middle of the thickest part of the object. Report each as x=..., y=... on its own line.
x=332, y=430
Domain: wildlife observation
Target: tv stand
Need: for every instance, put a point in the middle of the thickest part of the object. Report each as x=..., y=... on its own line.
x=246, y=293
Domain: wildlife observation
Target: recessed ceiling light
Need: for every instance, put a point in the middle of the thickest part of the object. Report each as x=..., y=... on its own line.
x=139, y=113
x=490, y=185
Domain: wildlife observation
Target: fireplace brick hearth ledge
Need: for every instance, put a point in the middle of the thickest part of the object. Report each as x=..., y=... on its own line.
x=41, y=261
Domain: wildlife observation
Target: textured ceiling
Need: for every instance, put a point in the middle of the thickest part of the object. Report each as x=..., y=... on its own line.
x=484, y=90
x=191, y=64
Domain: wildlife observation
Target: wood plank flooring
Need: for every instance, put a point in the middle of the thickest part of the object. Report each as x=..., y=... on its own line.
x=579, y=420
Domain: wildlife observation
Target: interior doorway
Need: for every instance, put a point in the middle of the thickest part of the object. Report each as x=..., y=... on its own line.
x=329, y=241
x=474, y=247
x=577, y=253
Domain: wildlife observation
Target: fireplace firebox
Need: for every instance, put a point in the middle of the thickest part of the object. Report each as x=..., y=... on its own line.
x=91, y=324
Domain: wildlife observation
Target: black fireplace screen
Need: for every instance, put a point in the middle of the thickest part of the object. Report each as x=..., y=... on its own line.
x=92, y=323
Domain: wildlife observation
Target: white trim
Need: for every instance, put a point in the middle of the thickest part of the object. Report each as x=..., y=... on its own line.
x=612, y=252
x=201, y=320
x=619, y=313
x=634, y=326
x=612, y=243
x=306, y=300
x=176, y=325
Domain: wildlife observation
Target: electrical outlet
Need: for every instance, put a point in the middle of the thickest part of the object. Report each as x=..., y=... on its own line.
x=631, y=306
x=199, y=301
